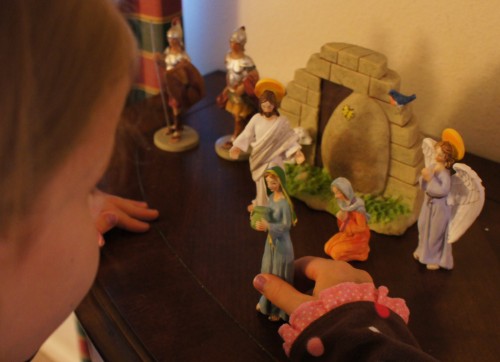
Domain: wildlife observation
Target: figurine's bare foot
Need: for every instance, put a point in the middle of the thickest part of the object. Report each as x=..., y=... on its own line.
x=250, y=208
x=176, y=136
x=227, y=145
x=432, y=267
x=274, y=318
x=415, y=255
x=257, y=307
x=170, y=130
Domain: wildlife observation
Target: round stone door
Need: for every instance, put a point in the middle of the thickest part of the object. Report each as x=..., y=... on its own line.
x=356, y=144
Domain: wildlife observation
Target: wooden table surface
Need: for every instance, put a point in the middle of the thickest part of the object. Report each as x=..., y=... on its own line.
x=183, y=291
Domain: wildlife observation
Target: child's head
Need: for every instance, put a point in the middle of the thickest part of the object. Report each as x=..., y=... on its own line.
x=66, y=67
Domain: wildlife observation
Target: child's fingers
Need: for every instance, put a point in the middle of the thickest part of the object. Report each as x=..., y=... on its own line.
x=279, y=292
x=326, y=272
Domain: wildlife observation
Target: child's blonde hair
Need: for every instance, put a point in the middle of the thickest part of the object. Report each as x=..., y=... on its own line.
x=55, y=65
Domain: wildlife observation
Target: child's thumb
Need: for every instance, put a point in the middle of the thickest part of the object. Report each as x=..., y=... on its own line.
x=279, y=292
x=105, y=222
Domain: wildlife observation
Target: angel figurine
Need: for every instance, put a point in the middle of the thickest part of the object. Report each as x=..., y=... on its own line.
x=451, y=203
x=182, y=82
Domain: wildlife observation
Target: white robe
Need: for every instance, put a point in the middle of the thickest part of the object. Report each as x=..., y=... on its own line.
x=272, y=143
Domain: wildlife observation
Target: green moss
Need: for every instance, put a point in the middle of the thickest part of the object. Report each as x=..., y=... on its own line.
x=307, y=180
x=384, y=209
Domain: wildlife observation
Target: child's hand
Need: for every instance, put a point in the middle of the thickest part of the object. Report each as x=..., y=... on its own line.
x=324, y=273
x=109, y=211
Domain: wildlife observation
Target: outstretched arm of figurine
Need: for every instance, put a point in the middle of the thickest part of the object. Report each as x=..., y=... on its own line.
x=299, y=157
x=111, y=211
x=323, y=273
x=234, y=152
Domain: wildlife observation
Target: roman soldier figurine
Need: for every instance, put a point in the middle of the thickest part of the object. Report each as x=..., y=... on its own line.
x=238, y=96
x=183, y=84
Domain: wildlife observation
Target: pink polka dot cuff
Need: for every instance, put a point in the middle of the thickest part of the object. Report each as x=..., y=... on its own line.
x=334, y=297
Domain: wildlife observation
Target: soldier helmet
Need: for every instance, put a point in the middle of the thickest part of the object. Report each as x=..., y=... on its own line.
x=239, y=36
x=175, y=31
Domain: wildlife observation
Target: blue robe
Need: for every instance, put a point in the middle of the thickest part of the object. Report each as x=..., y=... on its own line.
x=278, y=252
x=433, y=222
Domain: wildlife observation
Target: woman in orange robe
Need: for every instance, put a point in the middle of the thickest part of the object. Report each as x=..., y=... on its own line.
x=352, y=240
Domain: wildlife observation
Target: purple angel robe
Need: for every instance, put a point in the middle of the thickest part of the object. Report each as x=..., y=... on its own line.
x=433, y=222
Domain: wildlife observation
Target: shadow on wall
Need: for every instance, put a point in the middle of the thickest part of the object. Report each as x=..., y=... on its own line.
x=416, y=73
x=480, y=107
x=419, y=78
x=475, y=112
x=207, y=38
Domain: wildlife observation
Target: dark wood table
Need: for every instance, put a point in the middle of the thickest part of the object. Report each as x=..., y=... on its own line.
x=183, y=291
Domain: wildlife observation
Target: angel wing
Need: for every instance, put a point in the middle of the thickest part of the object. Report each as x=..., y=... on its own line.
x=429, y=151
x=466, y=199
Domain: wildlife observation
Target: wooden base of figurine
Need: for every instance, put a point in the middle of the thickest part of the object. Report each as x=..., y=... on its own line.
x=223, y=151
x=189, y=139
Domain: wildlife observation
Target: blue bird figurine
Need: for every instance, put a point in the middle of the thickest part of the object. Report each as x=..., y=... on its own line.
x=399, y=99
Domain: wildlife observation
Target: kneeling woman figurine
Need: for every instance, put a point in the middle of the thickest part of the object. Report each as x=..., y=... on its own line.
x=352, y=240
x=278, y=253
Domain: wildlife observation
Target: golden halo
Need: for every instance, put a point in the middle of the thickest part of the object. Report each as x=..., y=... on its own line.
x=452, y=136
x=270, y=84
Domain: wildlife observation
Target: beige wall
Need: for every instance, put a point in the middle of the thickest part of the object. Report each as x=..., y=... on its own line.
x=447, y=52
